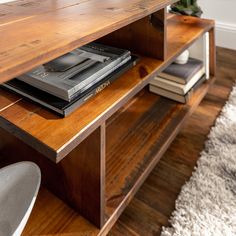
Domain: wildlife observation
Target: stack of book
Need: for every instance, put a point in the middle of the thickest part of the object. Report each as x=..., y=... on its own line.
x=177, y=82
x=65, y=83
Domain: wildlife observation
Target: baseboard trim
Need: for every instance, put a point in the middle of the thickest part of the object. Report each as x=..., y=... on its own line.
x=226, y=35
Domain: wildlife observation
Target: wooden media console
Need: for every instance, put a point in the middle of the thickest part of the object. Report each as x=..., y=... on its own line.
x=94, y=160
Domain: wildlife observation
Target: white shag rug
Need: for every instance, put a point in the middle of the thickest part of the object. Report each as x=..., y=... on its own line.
x=207, y=203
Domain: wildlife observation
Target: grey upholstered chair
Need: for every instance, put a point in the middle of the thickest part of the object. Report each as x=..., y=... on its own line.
x=19, y=185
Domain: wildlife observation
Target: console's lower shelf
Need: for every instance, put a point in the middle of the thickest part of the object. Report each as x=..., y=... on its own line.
x=137, y=136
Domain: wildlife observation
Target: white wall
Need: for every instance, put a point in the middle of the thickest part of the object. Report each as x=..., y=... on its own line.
x=4, y=1
x=224, y=12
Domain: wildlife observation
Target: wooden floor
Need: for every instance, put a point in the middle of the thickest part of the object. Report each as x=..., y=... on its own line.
x=153, y=204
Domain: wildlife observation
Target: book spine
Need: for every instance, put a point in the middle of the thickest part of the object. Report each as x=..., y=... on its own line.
x=159, y=82
x=172, y=78
x=194, y=88
x=97, y=90
x=100, y=74
x=100, y=78
x=103, y=50
x=47, y=87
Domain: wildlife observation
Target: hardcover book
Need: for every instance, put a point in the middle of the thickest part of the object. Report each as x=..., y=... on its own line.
x=73, y=73
x=174, y=96
x=181, y=89
x=59, y=105
x=182, y=74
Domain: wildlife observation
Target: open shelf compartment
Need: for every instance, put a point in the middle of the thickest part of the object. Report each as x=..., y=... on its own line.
x=137, y=136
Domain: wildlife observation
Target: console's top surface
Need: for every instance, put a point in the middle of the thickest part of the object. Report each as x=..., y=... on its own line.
x=36, y=31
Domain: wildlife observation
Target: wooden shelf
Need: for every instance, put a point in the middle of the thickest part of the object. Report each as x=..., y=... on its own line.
x=68, y=23
x=137, y=136
x=56, y=137
x=51, y=216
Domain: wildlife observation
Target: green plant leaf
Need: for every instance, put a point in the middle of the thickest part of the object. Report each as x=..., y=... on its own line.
x=187, y=7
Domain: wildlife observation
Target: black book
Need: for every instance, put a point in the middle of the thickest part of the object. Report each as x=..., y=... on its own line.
x=72, y=73
x=174, y=96
x=182, y=73
x=59, y=105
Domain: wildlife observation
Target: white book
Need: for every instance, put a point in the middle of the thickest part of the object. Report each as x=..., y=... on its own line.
x=181, y=89
x=169, y=94
x=174, y=96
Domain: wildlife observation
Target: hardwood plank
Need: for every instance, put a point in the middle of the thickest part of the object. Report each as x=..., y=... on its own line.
x=56, y=137
x=151, y=222
x=161, y=188
x=24, y=44
x=121, y=229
